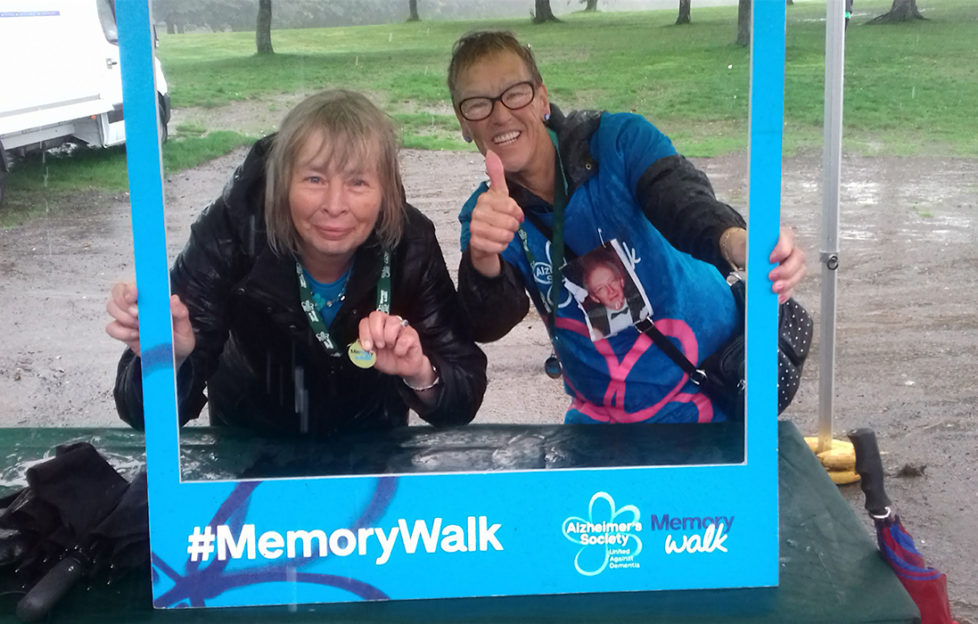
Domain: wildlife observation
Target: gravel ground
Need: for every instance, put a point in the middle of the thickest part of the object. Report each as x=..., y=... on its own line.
x=906, y=326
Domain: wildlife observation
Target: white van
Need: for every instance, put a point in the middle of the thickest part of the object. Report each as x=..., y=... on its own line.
x=60, y=78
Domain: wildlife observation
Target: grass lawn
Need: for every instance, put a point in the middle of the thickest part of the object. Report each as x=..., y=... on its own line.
x=910, y=88
x=52, y=178
x=907, y=86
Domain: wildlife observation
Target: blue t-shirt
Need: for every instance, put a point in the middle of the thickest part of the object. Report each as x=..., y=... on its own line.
x=327, y=297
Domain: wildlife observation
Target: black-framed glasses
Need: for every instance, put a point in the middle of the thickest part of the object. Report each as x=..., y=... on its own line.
x=514, y=97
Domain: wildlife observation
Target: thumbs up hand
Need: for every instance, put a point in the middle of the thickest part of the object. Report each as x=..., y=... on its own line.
x=495, y=220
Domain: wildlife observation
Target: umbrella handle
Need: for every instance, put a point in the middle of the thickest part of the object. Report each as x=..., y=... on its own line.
x=870, y=469
x=50, y=589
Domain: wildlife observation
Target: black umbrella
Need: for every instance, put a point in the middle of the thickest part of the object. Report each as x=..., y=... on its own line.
x=77, y=518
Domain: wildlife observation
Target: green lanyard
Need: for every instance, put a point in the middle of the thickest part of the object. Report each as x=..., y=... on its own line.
x=316, y=319
x=556, y=245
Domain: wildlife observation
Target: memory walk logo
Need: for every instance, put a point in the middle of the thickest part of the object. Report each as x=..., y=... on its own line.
x=608, y=537
x=712, y=538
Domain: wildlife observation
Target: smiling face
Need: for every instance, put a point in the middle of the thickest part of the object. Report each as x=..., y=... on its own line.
x=606, y=287
x=519, y=137
x=334, y=207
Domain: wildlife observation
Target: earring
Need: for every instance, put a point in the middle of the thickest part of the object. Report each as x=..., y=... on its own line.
x=546, y=116
x=466, y=138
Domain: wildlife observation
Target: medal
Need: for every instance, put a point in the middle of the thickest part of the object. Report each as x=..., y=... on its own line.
x=360, y=356
x=355, y=351
x=552, y=366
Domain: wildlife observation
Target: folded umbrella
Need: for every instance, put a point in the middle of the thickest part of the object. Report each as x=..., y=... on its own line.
x=77, y=518
x=926, y=585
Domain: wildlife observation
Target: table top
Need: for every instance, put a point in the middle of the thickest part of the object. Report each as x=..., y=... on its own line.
x=830, y=568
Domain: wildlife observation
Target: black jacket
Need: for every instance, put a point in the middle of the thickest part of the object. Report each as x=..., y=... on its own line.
x=256, y=352
x=675, y=196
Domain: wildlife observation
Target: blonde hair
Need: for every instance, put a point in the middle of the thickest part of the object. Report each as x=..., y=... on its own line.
x=352, y=131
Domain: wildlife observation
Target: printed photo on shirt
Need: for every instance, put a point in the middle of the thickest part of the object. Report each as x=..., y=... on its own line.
x=604, y=284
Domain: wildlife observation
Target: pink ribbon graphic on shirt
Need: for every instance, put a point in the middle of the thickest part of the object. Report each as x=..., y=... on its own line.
x=613, y=403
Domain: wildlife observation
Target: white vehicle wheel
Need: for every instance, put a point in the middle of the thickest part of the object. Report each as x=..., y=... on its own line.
x=162, y=123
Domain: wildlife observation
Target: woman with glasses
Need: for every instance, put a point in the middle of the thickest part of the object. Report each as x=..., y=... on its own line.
x=563, y=185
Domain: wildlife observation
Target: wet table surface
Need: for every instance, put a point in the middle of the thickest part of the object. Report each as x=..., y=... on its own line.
x=830, y=570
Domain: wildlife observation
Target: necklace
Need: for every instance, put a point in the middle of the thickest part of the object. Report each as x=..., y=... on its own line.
x=329, y=302
x=315, y=311
x=326, y=295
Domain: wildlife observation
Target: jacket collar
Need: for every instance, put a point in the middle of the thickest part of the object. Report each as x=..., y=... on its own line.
x=574, y=132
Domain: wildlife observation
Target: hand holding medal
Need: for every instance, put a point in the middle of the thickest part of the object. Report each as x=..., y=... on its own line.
x=389, y=343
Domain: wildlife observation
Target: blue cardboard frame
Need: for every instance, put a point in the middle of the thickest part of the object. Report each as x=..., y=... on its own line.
x=465, y=534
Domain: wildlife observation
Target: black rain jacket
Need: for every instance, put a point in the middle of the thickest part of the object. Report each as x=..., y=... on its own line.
x=256, y=353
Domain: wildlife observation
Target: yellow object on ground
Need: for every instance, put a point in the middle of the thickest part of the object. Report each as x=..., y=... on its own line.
x=843, y=477
x=839, y=460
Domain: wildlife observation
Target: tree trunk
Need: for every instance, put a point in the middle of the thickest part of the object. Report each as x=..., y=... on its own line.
x=590, y=5
x=543, y=12
x=413, y=9
x=743, y=23
x=683, y=12
x=901, y=11
x=263, y=30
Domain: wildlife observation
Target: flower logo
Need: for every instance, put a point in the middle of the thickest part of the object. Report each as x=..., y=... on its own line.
x=605, y=529
x=543, y=275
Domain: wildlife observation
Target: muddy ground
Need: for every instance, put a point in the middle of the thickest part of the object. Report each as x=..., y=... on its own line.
x=907, y=343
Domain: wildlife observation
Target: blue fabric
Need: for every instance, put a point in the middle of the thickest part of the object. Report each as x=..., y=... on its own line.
x=323, y=293
x=683, y=291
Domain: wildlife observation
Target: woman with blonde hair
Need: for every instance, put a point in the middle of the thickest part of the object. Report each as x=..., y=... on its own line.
x=311, y=298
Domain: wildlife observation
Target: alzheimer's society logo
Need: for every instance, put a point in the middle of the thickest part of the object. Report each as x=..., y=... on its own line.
x=543, y=275
x=608, y=537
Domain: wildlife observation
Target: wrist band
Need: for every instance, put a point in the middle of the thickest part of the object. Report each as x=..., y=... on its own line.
x=429, y=386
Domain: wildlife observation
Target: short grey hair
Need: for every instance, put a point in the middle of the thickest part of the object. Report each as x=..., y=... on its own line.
x=353, y=130
x=476, y=45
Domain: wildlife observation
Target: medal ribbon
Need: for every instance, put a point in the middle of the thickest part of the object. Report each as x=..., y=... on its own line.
x=552, y=365
x=315, y=318
x=556, y=245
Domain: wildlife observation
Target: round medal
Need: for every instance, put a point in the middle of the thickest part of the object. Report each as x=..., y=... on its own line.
x=360, y=356
x=552, y=366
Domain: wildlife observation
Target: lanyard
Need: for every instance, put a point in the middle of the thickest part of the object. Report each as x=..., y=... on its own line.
x=316, y=319
x=556, y=245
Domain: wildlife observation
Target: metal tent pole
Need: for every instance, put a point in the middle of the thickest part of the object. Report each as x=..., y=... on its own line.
x=831, y=175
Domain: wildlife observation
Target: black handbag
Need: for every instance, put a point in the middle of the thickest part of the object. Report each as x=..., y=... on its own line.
x=722, y=375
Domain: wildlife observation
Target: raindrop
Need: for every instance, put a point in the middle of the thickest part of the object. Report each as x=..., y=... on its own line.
x=292, y=577
x=301, y=400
